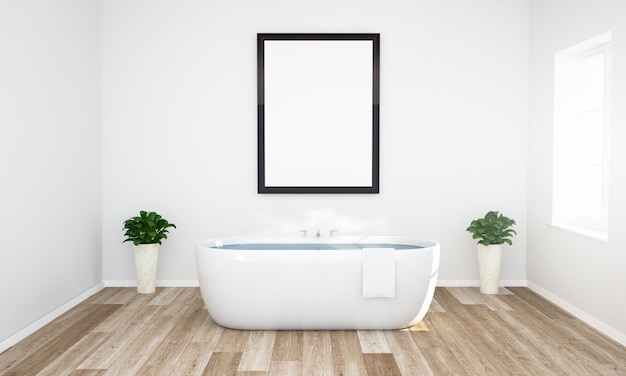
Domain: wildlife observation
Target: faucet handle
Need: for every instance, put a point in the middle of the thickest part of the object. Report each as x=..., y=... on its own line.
x=332, y=232
x=303, y=233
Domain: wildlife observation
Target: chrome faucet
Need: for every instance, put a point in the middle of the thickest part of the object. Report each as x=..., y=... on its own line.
x=317, y=234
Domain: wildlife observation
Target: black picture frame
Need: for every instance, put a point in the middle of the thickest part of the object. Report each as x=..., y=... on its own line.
x=367, y=115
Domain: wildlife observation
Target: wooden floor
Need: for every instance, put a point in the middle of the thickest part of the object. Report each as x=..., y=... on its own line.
x=118, y=332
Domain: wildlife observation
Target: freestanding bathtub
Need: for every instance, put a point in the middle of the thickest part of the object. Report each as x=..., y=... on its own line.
x=309, y=283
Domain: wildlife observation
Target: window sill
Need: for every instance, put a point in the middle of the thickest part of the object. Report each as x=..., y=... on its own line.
x=600, y=235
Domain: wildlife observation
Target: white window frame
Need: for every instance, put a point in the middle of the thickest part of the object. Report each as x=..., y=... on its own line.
x=569, y=140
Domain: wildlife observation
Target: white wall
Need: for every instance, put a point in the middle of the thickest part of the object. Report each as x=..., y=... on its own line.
x=586, y=276
x=179, y=124
x=50, y=218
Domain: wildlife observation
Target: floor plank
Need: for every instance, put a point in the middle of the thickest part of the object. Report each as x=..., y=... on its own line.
x=232, y=341
x=472, y=295
x=285, y=368
x=373, y=342
x=74, y=356
x=41, y=337
x=88, y=372
x=440, y=358
x=288, y=346
x=347, y=356
x=223, y=364
x=257, y=355
x=125, y=332
x=381, y=365
x=408, y=356
x=165, y=357
x=60, y=344
x=460, y=342
x=209, y=331
x=194, y=359
x=141, y=348
x=317, y=354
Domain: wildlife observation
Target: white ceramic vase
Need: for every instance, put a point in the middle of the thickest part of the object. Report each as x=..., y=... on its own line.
x=146, y=256
x=489, y=261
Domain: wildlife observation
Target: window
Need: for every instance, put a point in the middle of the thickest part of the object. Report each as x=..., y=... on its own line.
x=581, y=135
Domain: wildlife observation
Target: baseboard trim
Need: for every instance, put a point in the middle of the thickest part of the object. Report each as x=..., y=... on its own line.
x=580, y=314
x=476, y=283
x=30, y=329
x=159, y=283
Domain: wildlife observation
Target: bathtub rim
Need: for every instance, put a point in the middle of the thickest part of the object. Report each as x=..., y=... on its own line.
x=217, y=243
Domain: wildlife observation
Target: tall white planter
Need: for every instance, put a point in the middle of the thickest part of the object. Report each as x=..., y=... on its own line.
x=489, y=261
x=146, y=256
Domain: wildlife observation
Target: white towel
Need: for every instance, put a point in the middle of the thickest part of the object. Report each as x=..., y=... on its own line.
x=379, y=272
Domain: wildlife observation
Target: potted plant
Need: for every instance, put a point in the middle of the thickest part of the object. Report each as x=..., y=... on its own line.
x=493, y=230
x=146, y=231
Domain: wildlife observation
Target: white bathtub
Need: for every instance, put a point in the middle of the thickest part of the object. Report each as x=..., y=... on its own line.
x=273, y=284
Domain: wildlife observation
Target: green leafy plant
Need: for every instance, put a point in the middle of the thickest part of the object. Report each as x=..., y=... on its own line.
x=494, y=228
x=147, y=228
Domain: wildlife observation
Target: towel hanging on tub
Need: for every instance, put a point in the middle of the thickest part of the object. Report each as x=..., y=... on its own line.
x=379, y=272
